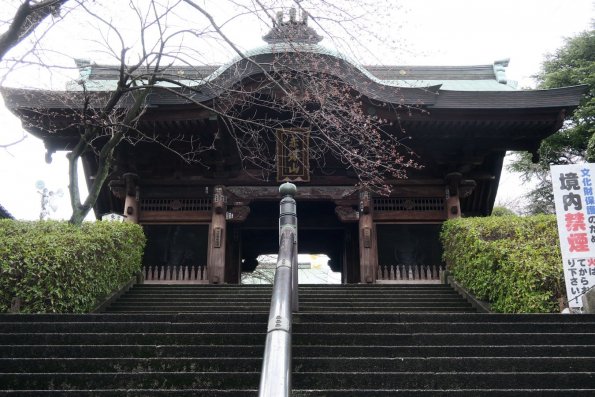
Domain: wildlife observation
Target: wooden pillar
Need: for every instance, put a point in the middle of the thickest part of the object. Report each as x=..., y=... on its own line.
x=453, y=202
x=131, y=205
x=217, y=238
x=368, y=252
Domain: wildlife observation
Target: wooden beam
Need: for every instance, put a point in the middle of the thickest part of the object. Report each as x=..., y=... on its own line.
x=422, y=216
x=175, y=217
x=304, y=193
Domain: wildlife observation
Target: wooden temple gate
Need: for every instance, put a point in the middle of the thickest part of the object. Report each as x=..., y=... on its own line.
x=207, y=221
x=364, y=228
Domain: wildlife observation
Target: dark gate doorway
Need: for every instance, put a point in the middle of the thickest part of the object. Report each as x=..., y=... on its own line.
x=175, y=253
x=319, y=232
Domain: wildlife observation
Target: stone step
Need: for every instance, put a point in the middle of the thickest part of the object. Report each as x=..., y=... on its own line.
x=303, y=297
x=300, y=364
x=129, y=392
x=444, y=380
x=152, y=350
x=130, y=380
x=190, y=309
x=495, y=392
x=299, y=327
x=362, y=340
x=114, y=338
x=305, y=338
x=442, y=364
x=428, y=339
x=152, y=364
x=301, y=380
x=375, y=303
x=306, y=393
x=304, y=317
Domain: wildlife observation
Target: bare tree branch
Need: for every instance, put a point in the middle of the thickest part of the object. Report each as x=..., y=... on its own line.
x=27, y=18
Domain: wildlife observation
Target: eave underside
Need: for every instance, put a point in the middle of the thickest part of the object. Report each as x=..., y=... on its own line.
x=463, y=132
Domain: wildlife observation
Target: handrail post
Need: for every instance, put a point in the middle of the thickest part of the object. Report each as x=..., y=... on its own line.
x=288, y=220
x=275, y=378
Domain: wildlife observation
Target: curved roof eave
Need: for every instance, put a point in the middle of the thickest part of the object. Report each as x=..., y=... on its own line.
x=566, y=97
x=284, y=56
x=310, y=59
x=548, y=98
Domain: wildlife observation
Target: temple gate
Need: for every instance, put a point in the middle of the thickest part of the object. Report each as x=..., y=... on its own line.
x=208, y=221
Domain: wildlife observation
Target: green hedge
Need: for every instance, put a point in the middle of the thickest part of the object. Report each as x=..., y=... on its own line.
x=512, y=262
x=57, y=267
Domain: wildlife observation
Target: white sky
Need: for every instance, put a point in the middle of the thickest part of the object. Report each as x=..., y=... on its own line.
x=438, y=32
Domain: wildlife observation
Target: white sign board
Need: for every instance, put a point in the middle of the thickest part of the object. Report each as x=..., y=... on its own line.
x=574, y=196
x=112, y=217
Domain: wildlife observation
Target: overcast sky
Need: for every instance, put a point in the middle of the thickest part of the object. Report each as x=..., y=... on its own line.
x=436, y=32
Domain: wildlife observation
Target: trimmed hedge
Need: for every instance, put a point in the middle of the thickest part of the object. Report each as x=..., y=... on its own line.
x=512, y=262
x=57, y=267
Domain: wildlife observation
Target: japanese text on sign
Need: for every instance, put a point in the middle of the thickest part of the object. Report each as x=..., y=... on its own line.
x=575, y=213
x=293, y=155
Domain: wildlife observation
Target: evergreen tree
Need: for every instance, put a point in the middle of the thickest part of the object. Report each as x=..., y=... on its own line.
x=573, y=64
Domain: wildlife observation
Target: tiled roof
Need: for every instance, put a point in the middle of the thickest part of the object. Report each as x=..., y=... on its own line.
x=434, y=87
x=468, y=78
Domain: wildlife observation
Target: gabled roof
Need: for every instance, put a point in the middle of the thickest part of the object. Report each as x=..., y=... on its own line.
x=434, y=87
x=466, y=78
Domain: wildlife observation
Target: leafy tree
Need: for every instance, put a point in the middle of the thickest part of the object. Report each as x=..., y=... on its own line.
x=573, y=64
x=502, y=211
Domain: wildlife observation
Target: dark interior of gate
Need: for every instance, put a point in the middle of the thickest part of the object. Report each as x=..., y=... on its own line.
x=405, y=251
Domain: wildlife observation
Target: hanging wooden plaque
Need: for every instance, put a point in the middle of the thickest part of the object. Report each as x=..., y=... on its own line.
x=293, y=160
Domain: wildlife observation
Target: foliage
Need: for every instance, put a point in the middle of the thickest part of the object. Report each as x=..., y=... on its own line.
x=512, y=262
x=502, y=211
x=57, y=267
x=573, y=64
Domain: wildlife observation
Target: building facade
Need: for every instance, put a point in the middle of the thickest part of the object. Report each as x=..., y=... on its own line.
x=209, y=219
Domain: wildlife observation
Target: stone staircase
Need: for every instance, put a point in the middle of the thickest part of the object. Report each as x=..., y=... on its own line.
x=356, y=340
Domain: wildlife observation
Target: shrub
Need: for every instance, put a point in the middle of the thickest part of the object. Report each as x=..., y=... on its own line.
x=57, y=267
x=512, y=262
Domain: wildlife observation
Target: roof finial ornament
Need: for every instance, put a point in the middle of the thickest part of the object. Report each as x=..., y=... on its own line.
x=293, y=30
x=500, y=70
x=279, y=18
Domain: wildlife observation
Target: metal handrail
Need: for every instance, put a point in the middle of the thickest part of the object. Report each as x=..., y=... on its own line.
x=275, y=378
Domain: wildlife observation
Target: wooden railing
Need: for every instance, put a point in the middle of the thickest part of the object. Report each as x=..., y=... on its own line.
x=175, y=274
x=420, y=274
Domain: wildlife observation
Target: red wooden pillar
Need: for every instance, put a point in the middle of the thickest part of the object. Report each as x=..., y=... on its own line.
x=368, y=251
x=217, y=238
